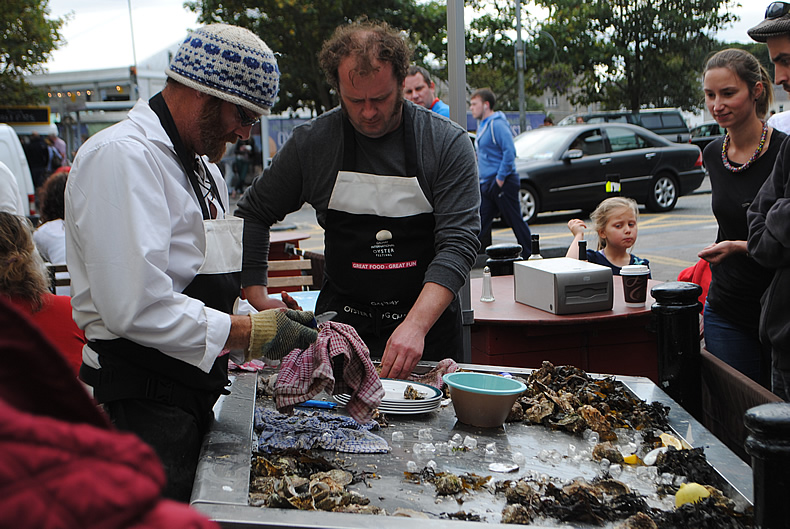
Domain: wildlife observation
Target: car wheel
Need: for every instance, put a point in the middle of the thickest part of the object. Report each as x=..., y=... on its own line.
x=529, y=202
x=663, y=193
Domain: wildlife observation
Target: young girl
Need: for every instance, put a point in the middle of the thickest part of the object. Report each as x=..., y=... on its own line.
x=615, y=222
x=738, y=94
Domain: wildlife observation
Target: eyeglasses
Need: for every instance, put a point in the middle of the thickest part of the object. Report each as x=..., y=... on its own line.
x=777, y=9
x=245, y=118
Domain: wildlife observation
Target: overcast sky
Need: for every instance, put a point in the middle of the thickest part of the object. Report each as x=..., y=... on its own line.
x=99, y=34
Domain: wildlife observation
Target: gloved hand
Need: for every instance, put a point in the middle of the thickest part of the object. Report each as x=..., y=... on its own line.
x=277, y=332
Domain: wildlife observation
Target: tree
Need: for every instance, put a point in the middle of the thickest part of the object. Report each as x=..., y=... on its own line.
x=490, y=55
x=296, y=29
x=637, y=53
x=27, y=39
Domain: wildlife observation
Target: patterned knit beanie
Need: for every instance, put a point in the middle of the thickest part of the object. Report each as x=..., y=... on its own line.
x=228, y=62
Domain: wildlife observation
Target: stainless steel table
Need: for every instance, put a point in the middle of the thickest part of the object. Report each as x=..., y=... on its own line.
x=222, y=483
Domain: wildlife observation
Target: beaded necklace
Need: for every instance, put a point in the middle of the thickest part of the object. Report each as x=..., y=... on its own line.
x=726, y=144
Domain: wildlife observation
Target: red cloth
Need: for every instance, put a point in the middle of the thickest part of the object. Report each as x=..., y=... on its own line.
x=57, y=324
x=699, y=274
x=62, y=465
x=338, y=362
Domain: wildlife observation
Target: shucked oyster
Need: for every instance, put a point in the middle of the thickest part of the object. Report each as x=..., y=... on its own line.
x=410, y=393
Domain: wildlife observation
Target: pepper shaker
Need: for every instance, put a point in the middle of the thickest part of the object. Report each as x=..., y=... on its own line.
x=488, y=294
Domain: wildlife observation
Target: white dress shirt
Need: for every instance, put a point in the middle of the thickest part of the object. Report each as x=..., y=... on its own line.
x=135, y=240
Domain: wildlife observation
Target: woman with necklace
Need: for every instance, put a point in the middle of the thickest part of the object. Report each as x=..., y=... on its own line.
x=737, y=94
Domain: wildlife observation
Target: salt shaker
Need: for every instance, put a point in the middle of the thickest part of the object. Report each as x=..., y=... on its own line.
x=488, y=294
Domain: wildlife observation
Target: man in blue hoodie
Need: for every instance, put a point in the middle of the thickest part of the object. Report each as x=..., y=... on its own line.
x=496, y=160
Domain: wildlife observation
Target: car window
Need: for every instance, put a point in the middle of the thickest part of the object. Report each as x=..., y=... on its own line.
x=623, y=139
x=589, y=142
x=672, y=120
x=541, y=144
x=651, y=121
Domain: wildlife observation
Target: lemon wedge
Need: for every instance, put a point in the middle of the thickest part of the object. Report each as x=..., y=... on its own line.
x=690, y=493
x=633, y=459
x=671, y=440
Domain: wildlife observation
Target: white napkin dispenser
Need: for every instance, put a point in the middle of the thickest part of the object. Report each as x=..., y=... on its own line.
x=563, y=285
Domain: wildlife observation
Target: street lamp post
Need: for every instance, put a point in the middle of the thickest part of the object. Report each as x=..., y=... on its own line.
x=522, y=118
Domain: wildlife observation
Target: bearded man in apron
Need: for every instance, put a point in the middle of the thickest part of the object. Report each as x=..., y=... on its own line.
x=155, y=260
x=395, y=188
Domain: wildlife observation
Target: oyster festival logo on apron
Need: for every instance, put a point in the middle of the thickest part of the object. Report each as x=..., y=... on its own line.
x=384, y=249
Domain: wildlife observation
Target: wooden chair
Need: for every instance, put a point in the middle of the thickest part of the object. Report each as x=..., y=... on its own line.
x=55, y=281
x=290, y=273
x=316, y=259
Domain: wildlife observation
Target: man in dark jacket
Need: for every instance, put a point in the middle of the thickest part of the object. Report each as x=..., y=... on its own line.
x=769, y=214
x=37, y=154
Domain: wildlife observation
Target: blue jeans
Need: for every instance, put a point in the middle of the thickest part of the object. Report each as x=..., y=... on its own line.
x=504, y=200
x=735, y=345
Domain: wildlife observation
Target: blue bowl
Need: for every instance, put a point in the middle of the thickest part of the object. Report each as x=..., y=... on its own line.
x=483, y=400
x=484, y=383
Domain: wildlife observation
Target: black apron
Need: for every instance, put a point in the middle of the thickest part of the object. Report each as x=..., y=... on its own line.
x=132, y=371
x=378, y=247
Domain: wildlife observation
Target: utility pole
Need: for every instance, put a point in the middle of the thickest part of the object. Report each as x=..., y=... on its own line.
x=456, y=68
x=133, y=69
x=522, y=118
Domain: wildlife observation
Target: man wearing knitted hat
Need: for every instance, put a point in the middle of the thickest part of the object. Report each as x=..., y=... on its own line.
x=155, y=257
x=769, y=213
x=395, y=189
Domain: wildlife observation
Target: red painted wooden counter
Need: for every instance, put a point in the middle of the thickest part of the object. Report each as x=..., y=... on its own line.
x=277, y=241
x=617, y=341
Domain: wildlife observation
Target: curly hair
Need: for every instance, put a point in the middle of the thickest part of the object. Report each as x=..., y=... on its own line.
x=22, y=272
x=366, y=41
x=601, y=215
x=50, y=196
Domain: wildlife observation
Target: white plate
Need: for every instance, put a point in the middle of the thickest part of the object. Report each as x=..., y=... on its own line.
x=394, y=401
x=409, y=412
x=393, y=391
x=393, y=395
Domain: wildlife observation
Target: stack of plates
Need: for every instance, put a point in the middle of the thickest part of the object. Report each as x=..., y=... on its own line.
x=394, y=402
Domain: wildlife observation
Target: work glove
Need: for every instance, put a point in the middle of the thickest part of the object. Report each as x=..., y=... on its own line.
x=277, y=332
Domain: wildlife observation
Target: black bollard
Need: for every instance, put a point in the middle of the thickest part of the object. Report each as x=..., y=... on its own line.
x=501, y=258
x=769, y=445
x=677, y=323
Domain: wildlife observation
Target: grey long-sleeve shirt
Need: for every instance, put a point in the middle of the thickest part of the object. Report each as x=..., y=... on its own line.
x=305, y=170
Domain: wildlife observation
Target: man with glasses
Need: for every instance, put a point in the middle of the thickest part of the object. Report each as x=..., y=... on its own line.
x=155, y=257
x=769, y=213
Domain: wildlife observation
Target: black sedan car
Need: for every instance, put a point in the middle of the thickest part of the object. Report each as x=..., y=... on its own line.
x=701, y=135
x=578, y=166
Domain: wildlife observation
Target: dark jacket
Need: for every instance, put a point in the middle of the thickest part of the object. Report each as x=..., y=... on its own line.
x=769, y=245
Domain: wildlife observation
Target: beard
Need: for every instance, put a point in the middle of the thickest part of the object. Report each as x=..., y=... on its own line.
x=212, y=140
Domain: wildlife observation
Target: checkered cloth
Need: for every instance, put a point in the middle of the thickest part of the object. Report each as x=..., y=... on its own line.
x=434, y=376
x=306, y=430
x=338, y=362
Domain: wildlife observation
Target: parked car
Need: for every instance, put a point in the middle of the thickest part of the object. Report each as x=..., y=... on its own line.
x=572, y=167
x=666, y=122
x=701, y=135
